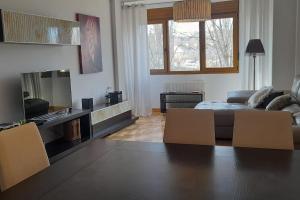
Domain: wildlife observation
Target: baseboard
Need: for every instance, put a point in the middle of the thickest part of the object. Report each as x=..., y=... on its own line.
x=156, y=110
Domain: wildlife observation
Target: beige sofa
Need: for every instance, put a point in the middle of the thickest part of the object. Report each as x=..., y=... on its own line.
x=237, y=101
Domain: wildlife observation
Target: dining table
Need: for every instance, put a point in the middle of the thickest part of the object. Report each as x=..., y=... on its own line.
x=113, y=170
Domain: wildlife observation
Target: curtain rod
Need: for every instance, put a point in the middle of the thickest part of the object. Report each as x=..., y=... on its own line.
x=137, y=3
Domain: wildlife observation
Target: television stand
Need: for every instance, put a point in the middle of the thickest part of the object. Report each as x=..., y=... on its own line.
x=60, y=148
x=102, y=121
x=38, y=122
x=108, y=119
x=50, y=116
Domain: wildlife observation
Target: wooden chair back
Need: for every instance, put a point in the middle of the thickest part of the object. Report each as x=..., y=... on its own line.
x=261, y=129
x=22, y=154
x=190, y=126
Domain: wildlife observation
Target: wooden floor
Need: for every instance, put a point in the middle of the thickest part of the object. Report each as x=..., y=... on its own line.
x=149, y=129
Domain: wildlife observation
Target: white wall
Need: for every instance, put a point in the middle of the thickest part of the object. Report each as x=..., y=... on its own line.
x=284, y=40
x=216, y=85
x=17, y=58
x=116, y=9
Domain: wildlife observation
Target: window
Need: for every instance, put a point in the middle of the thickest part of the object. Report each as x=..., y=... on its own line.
x=184, y=46
x=219, y=43
x=194, y=47
x=156, y=48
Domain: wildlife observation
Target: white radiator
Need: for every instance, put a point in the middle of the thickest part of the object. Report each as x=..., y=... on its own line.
x=185, y=86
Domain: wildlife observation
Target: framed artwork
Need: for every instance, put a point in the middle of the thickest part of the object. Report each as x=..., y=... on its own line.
x=90, y=54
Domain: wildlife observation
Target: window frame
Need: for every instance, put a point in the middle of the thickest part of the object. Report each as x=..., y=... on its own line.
x=227, y=9
x=165, y=46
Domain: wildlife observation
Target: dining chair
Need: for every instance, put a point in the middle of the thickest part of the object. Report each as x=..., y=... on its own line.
x=22, y=154
x=261, y=129
x=189, y=126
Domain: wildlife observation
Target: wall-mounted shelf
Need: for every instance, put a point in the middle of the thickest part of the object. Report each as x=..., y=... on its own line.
x=24, y=28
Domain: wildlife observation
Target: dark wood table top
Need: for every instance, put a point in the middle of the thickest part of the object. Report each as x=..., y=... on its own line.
x=148, y=171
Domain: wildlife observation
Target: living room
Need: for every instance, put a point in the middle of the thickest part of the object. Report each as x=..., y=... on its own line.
x=149, y=99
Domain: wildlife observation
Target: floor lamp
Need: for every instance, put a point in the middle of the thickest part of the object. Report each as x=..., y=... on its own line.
x=254, y=48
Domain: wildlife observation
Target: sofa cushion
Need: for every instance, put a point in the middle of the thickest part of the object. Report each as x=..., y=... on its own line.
x=258, y=97
x=222, y=106
x=279, y=103
x=241, y=96
x=294, y=108
x=224, y=112
x=297, y=119
x=295, y=92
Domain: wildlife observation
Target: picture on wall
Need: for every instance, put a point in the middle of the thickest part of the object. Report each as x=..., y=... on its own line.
x=90, y=49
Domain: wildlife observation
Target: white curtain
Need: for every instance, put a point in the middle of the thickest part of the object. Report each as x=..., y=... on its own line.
x=256, y=22
x=135, y=52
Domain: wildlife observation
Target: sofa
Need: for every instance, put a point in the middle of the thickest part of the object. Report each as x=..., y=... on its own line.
x=238, y=100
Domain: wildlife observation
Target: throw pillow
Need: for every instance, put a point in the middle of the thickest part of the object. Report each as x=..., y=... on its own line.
x=270, y=98
x=258, y=97
x=279, y=103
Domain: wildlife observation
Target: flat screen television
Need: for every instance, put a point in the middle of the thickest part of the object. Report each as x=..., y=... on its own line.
x=46, y=92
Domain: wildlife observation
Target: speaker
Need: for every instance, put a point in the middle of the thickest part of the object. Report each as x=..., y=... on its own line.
x=114, y=97
x=87, y=104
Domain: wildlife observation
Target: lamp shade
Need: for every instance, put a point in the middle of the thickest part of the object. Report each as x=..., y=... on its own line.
x=255, y=46
x=192, y=11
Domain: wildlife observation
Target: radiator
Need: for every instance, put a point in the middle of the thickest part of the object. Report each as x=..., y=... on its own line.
x=185, y=86
x=187, y=101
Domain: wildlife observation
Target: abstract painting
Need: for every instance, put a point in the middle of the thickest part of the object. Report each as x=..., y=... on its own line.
x=90, y=50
